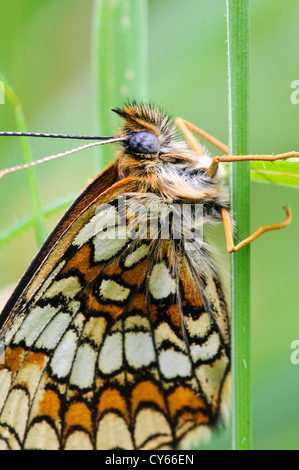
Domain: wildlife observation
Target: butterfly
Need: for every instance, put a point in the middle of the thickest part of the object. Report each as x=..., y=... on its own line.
x=118, y=334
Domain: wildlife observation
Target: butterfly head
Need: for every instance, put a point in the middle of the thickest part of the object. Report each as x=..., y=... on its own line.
x=152, y=153
x=150, y=137
x=147, y=129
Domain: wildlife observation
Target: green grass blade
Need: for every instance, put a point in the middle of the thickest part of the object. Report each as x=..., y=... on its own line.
x=283, y=173
x=120, y=60
x=14, y=230
x=238, y=57
x=39, y=224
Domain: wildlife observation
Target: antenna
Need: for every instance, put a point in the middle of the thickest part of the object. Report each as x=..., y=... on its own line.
x=54, y=136
x=100, y=141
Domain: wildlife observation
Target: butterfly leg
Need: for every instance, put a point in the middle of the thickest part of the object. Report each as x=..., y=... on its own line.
x=187, y=128
x=228, y=228
x=242, y=158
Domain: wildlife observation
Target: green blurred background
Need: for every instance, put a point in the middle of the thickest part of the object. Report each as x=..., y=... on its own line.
x=46, y=56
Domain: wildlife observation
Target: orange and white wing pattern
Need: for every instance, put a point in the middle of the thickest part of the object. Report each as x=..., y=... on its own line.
x=118, y=348
x=114, y=340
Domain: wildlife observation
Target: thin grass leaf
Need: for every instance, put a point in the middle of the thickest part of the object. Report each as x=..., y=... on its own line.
x=238, y=62
x=283, y=173
x=38, y=221
x=14, y=230
x=120, y=60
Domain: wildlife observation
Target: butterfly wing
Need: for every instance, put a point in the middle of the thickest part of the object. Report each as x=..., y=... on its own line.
x=98, y=186
x=116, y=341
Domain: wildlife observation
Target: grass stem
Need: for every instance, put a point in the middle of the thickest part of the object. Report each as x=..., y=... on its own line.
x=238, y=59
x=38, y=220
x=120, y=60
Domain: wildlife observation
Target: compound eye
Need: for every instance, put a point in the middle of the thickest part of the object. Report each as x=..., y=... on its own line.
x=144, y=142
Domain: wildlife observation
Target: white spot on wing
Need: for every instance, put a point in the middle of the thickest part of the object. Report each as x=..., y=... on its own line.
x=210, y=376
x=110, y=358
x=111, y=290
x=139, y=349
x=40, y=292
x=78, y=440
x=161, y=284
x=150, y=423
x=54, y=331
x=102, y=220
x=63, y=357
x=68, y=287
x=199, y=327
x=34, y=324
x=113, y=433
x=42, y=436
x=206, y=350
x=107, y=244
x=15, y=411
x=83, y=369
x=10, y=332
x=174, y=364
x=137, y=255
